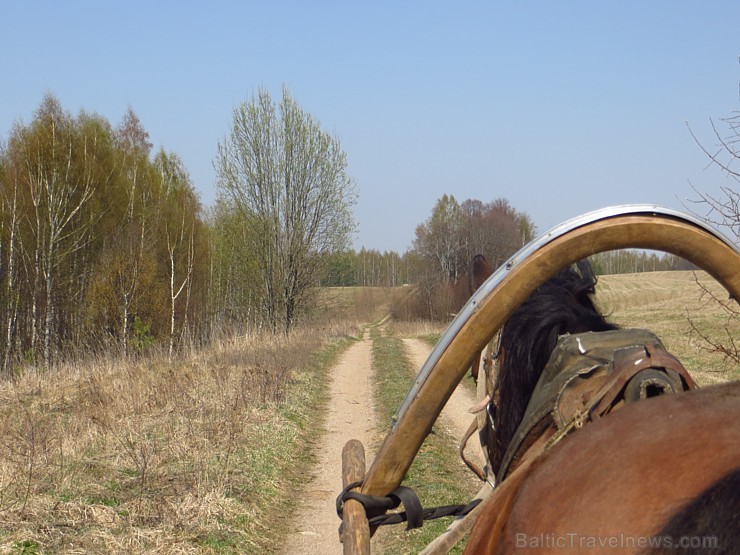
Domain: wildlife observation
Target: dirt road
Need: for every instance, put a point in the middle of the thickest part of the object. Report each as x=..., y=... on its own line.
x=351, y=414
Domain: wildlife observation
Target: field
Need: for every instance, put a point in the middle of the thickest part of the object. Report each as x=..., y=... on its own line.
x=194, y=455
x=200, y=454
x=666, y=303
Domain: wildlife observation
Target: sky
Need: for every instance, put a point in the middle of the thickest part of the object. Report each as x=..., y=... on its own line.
x=558, y=107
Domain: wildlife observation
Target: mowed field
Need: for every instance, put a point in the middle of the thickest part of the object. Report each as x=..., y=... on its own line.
x=667, y=303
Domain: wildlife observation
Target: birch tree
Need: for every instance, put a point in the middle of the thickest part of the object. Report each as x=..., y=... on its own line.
x=59, y=184
x=9, y=260
x=99, y=243
x=440, y=238
x=131, y=259
x=179, y=219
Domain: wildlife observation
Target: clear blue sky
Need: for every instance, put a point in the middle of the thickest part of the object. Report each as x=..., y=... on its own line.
x=559, y=107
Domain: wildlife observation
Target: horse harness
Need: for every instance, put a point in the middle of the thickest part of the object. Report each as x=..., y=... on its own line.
x=587, y=376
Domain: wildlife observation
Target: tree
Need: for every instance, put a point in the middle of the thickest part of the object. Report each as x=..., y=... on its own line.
x=59, y=159
x=496, y=230
x=180, y=225
x=287, y=178
x=9, y=294
x=723, y=210
x=455, y=233
x=233, y=271
x=98, y=242
x=128, y=269
x=447, y=242
x=440, y=238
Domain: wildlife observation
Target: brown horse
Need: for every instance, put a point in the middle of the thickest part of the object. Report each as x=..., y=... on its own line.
x=660, y=475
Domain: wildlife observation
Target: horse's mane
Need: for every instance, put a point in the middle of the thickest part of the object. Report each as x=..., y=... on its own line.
x=562, y=305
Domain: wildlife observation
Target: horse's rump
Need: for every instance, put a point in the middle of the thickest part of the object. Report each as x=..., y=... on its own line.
x=710, y=523
x=614, y=485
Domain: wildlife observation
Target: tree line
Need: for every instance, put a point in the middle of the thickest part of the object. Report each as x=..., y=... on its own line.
x=101, y=240
x=443, y=246
x=104, y=243
x=373, y=268
x=628, y=261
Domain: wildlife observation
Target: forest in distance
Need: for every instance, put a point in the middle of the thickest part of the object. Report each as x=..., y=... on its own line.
x=105, y=245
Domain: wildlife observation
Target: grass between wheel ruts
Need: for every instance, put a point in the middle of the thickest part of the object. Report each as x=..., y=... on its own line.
x=435, y=475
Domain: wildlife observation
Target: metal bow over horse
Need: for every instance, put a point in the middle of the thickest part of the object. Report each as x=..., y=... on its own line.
x=636, y=476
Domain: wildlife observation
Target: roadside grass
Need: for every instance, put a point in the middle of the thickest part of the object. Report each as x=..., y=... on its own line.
x=435, y=473
x=196, y=455
x=430, y=333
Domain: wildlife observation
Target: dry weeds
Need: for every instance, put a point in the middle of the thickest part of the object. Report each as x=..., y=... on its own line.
x=174, y=456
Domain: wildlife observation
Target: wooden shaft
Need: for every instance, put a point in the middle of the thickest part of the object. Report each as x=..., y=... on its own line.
x=354, y=533
x=631, y=231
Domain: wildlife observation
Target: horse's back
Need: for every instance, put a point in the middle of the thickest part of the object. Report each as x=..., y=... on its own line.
x=617, y=483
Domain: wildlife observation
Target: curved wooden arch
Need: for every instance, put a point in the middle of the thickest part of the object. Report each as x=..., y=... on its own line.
x=642, y=227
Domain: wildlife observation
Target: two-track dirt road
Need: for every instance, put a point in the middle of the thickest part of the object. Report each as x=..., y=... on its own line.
x=351, y=414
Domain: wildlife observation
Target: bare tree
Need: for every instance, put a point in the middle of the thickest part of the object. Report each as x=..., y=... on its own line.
x=728, y=346
x=722, y=210
x=288, y=179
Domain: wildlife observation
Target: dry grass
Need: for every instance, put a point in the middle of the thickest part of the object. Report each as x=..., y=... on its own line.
x=193, y=455
x=663, y=302
x=361, y=304
x=417, y=328
x=199, y=455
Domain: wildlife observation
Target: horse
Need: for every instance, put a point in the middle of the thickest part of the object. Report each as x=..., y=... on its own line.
x=659, y=475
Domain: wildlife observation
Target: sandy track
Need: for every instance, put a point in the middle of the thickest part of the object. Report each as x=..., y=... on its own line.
x=351, y=415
